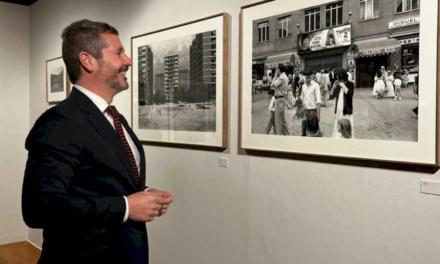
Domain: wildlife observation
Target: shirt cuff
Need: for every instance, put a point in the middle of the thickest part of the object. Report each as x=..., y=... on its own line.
x=126, y=209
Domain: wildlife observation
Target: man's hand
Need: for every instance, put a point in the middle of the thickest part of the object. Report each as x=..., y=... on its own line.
x=144, y=206
x=168, y=199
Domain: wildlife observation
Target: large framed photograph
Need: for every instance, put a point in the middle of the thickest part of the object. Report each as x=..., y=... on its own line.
x=57, y=82
x=349, y=79
x=180, y=83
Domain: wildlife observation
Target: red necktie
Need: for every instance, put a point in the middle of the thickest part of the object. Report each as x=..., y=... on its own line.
x=113, y=112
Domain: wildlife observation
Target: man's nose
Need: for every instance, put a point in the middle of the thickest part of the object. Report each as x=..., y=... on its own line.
x=128, y=60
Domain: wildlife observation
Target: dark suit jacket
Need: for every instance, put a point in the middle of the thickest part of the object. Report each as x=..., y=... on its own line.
x=76, y=176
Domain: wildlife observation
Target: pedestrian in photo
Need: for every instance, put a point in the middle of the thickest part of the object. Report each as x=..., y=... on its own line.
x=271, y=108
x=397, y=86
x=343, y=91
x=344, y=128
x=324, y=84
x=416, y=89
x=379, y=88
x=311, y=101
x=290, y=95
x=279, y=85
x=416, y=85
x=295, y=85
x=332, y=77
x=388, y=77
x=265, y=82
x=405, y=78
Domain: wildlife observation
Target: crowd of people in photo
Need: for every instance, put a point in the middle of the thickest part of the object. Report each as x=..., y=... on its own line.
x=306, y=92
x=388, y=84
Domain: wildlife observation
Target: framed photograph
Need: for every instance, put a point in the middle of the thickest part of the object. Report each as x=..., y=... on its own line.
x=180, y=83
x=354, y=80
x=57, y=82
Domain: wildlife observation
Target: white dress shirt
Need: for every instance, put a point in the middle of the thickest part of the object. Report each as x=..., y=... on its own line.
x=311, y=95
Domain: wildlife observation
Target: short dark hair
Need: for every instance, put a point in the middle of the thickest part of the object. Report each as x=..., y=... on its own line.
x=379, y=73
x=281, y=67
x=341, y=74
x=307, y=72
x=83, y=35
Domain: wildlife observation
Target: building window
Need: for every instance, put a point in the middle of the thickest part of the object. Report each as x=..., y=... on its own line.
x=312, y=20
x=407, y=5
x=333, y=14
x=263, y=32
x=369, y=9
x=410, y=56
x=283, y=25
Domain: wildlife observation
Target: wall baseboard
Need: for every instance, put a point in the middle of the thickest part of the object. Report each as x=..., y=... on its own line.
x=33, y=244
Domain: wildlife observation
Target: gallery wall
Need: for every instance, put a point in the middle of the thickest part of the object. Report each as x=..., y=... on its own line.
x=14, y=117
x=259, y=210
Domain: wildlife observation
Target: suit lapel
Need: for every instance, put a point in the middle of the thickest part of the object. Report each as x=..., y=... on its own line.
x=105, y=130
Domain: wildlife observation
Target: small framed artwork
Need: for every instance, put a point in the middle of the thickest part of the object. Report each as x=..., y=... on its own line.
x=345, y=79
x=180, y=83
x=57, y=82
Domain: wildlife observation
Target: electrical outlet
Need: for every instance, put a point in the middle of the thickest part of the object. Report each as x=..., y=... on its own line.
x=430, y=186
x=223, y=162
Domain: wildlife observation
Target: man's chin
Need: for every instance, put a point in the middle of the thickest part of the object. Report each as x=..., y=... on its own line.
x=124, y=87
x=120, y=87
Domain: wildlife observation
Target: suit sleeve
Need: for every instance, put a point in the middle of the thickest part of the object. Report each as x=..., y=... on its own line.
x=47, y=198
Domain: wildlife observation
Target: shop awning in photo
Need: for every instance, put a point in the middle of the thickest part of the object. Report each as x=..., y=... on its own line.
x=377, y=46
x=285, y=58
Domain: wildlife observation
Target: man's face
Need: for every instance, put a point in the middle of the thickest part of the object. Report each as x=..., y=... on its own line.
x=308, y=79
x=114, y=63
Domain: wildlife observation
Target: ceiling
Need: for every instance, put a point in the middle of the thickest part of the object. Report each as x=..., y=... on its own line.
x=20, y=2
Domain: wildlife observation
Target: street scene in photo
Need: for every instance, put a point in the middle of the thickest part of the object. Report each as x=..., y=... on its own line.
x=177, y=84
x=345, y=70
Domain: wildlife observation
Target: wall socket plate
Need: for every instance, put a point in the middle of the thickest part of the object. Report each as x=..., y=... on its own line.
x=223, y=162
x=430, y=186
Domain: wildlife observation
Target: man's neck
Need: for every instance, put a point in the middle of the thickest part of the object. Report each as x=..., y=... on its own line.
x=98, y=90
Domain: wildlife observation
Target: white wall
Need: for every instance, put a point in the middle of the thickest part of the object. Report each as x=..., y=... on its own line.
x=260, y=210
x=14, y=117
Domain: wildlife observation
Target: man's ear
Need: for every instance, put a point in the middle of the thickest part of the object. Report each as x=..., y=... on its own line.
x=87, y=61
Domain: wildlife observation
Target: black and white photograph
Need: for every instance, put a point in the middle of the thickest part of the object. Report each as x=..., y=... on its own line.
x=322, y=48
x=178, y=83
x=336, y=70
x=56, y=80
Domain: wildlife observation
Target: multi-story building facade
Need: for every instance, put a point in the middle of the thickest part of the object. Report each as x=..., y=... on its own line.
x=171, y=77
x=145, y=75
x=159, y=87
x=203, y=66
x=360, y=35
x=184, y=80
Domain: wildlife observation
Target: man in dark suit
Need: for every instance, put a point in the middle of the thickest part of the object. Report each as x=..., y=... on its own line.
x=84, y=182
